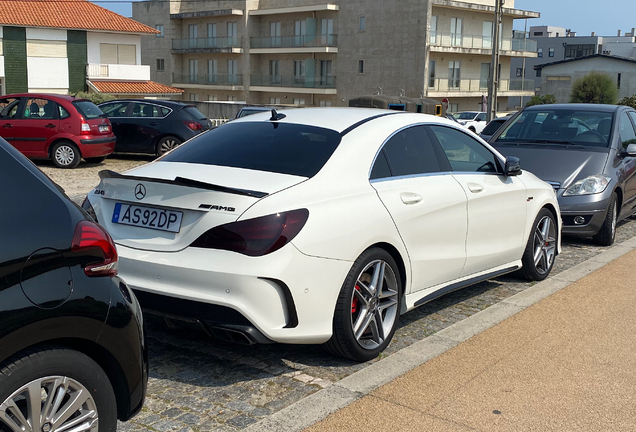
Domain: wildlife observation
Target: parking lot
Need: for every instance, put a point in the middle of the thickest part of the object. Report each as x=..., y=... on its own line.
x=197, y=383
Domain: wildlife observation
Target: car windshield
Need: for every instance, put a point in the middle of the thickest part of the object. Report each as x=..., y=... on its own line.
x=493, y=126
x=88, y=109
x=560, y=126
x=466, y=115
x=246, y=111
x=263, y=146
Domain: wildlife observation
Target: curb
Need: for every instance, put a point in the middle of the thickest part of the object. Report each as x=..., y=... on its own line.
x=321, y=404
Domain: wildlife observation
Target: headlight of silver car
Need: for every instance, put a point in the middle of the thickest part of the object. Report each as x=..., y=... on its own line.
x=588, y=186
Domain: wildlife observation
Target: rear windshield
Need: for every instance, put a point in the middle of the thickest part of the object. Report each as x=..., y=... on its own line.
x=246, y=111
x=493, y=127
x=263, y=146
x=88, y=109
x=195, y=113
x=466, y=115
x=566, y=126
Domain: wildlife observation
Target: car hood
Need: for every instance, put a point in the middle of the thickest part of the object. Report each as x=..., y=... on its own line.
x=554, y=164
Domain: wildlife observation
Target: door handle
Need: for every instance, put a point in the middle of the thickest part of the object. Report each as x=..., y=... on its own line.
x=7, y=125
x=475, y=188
x=50, y=125
x=410, y=198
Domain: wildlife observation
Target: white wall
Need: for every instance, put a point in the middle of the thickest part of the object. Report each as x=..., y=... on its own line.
x=1, y=66
x=45, y=34
x=47, y=73
x=93, y=39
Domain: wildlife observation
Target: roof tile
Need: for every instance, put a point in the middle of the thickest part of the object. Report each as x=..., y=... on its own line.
x=143, y=87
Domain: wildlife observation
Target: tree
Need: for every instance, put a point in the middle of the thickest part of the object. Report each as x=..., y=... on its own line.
x=96, y=98
x=595, y=87
x=541, y=100
x=629, y=101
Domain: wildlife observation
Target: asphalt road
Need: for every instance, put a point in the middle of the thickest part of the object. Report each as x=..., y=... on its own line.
x=200, y=384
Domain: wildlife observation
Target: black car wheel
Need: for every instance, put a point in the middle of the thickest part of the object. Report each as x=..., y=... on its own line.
x=65, y=154
x=166, y=144
x=607, y=234
x=541, y=249
x=56, y=389
x=368, y=307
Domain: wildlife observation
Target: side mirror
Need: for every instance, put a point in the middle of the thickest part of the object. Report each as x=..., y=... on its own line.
x=477, y=119
x=630, y=150
x=513, y=168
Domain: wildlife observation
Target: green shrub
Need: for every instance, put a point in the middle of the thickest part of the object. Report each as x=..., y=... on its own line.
x=96, y=98
x=541, y=100
x=595, y=87
x=629, y=101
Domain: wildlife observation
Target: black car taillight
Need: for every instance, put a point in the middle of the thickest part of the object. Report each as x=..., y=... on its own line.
x=192, y=125
x=88, y=208
x=92, y=241
x=255, y=237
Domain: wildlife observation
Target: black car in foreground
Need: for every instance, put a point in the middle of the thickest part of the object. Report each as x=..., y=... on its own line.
x=587, y=152
x=152, y=126
x=72, y=349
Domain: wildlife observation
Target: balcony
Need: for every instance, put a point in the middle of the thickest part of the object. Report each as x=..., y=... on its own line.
x=470, y=44
x=293, y=84
x=117, y=72
x=211, y=81
x=294, y=44
x=473, y=87
x=208, y=45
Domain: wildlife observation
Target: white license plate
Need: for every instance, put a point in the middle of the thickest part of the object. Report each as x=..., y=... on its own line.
x=147, y=217
x=103, y=128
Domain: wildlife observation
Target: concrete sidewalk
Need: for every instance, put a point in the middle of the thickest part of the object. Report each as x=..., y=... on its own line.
x=567, y=363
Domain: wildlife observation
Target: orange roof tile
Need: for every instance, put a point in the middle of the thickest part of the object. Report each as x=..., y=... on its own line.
x=68, y=14
x=143, y=87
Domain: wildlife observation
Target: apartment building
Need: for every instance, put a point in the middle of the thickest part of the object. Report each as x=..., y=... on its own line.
x=70, y=46
x=308, y=53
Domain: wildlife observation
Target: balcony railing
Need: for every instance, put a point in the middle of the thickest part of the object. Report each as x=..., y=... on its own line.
x=330, y=40
x=118, y=72
x=208, y=79
x=328, y=82
x=459, y=40
x=202, y=43
x=478, y=85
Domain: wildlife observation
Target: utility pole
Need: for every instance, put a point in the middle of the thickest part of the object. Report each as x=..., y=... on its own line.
x=523, y=67
x=493, y=82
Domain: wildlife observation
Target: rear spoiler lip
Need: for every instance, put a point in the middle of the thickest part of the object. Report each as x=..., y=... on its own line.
x=181, y=181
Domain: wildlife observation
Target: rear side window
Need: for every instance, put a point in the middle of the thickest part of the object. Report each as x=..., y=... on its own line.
x=39, y=109
x=88, y=109
x=274, y=147
x=464, y=153
x=627, y=134
x=63, y=113
x=195, y=113
x=147, y=110
x=493, y=127
x=115, y=109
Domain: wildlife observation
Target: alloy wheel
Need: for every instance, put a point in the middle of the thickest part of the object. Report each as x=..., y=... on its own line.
x=64, y=155
x=168, y=144
x=50, y=404
x=614, y=219
x=544, y=245
x=374, y=304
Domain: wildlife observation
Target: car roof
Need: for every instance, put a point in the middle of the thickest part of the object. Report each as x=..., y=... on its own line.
x=166, y=103
x=576, y=107
x=44, y=95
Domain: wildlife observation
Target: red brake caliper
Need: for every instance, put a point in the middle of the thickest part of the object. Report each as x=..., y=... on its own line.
x=354, y=302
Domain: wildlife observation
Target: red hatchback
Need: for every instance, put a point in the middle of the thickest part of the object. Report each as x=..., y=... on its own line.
x=57, y=127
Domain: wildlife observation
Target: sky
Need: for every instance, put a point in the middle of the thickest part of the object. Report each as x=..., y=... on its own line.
x=604, y=17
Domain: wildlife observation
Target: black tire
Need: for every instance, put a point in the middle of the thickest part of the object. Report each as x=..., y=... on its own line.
x=343, y=342
x=607, y=234
x=52, y=362
x=65, y=154
x=166, y=144
x=539, y=271
x=95, y=160
x=472, y=129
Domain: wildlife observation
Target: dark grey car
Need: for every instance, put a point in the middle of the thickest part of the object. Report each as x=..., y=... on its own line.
x=588, y=153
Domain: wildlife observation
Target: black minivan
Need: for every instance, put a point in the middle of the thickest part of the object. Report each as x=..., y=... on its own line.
x=72, y=349
x=152, y=126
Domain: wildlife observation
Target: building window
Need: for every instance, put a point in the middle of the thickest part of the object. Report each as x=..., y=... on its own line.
x=213, y=98
x=300, y=32
x=275, y=34
x=232, y=72
x=117, y=54
x=454, y=74
x=212, y=71
x=540, y=52
x=519, y=72
x=456, y=31
x=194, y=71
x=433, y=30
x=360, y=66
x=299, y=72
x=160, y=65
x=194, y=97
x=211, y=30
x=232, y=98
x=618, y=81
x=274, y=101
x=431, y=74
x=575, y=51
x=326, y=76
x=551, y=52
x=324, y=103
x=299, y=102
x=274, y=72
x=538, y=73
x=454, y=107
x=326, y=31
x=362, y=25
x=538, y=33
x=160, y=28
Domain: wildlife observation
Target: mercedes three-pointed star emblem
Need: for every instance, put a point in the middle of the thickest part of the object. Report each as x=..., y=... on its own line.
x=140, y=191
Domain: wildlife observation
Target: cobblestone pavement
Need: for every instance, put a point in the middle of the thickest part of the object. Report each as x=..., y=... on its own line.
x=200, y=384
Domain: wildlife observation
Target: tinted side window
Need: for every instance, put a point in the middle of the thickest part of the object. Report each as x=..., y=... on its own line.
x=380, y=167
x=410, y=152
x=63, y=113
x=146, y=110
x=626, y=131
x=115, y=109
x=464, y=153
x=40, y=109
x=481, y=117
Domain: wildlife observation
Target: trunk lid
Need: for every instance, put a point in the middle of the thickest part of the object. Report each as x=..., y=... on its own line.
x=205, y=195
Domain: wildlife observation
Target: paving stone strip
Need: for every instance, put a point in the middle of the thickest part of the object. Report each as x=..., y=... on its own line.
x=200, y=384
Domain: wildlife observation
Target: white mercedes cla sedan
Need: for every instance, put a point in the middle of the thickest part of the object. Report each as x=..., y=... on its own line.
x=321, y=225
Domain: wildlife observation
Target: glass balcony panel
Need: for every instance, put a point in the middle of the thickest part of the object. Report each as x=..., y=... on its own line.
x=208, y=79
x=459, y=40
x=203, y=43
x=307, y=41
x=328, y=82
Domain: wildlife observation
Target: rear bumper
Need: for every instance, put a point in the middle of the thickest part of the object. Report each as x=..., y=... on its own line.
x=259, y=292
x=96, y=147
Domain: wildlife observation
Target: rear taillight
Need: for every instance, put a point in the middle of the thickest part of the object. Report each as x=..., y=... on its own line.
x=92, y=241
x=255, y=237
x=192, y=125
x=85, y=128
